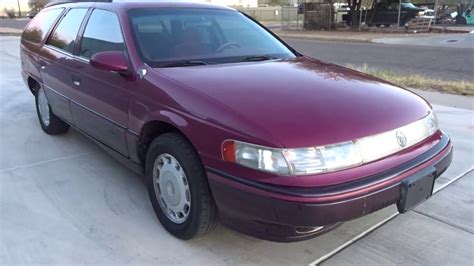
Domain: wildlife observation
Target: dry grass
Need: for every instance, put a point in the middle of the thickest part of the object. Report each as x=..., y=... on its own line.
x=417, y=81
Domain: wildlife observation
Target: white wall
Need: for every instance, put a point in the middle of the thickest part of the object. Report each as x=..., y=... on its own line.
x=12, y=4
x=242, y=3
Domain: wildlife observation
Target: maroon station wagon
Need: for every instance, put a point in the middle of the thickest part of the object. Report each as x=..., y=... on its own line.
x=226, y=120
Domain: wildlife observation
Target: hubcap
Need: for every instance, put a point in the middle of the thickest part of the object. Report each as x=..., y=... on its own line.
x=43, y=107
x=171, y=188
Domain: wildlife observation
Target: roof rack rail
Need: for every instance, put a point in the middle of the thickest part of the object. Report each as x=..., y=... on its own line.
x=59, y=2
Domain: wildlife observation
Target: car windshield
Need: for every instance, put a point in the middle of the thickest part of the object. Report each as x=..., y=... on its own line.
x=408, y=5
x=170, y=37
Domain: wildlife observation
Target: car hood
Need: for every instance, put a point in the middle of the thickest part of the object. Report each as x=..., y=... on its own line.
x=303, y=102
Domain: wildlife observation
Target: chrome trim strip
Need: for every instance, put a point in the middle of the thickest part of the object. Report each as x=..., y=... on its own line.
x=88, y=109
x=133, y=132
x=380, y=145
x=67, y=53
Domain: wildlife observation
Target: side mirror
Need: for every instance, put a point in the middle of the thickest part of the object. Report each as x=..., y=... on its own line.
x=110, y=61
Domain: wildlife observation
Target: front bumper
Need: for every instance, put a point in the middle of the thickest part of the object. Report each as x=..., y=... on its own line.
x=261, y=210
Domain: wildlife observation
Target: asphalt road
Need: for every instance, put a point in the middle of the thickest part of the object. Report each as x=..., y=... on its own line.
x=14, y=23
x=65, y=201
x=435, y=62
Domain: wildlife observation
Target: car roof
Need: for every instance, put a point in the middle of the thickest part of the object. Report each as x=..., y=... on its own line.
x=129, y=4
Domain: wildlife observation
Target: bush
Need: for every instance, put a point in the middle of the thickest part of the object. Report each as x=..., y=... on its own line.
x=37, y=5
x=10, y=13
x=418, y=81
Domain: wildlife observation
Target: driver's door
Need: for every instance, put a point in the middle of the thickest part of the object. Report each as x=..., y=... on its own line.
x=99, y=106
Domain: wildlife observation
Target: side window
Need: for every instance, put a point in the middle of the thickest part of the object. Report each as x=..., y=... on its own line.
x=64, y=36
x=102, y=34
x=38, y=28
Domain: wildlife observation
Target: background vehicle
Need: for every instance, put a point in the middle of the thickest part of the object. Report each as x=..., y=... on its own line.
x=386, y=13
x=465, y=15
x=31, y=14
x=428, y=13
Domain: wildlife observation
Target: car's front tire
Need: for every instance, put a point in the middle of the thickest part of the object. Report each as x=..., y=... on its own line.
x=50, y=123
x=178, y=188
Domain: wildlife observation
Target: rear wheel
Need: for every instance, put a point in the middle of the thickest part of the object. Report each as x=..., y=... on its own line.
x=178, y=188
x=50, y=123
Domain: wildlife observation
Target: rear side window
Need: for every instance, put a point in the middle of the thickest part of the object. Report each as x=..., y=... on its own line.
x=64, y=36
x=102, y=34
x=38, y=28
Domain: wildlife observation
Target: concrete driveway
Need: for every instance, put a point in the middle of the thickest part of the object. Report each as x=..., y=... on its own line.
x=65, y=201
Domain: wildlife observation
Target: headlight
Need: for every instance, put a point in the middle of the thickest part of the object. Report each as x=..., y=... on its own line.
x=292, y=161
x=431, y=122
x=256, y=157
x=313, y=160
x=323, y=159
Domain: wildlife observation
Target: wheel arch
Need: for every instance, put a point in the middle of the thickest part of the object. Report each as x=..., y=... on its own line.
x=33, y=84
x=153, y=129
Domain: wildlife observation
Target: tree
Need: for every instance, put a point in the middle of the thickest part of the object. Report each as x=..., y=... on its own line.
x=19, y=8
x=10, y=12
x=278, y=2
x=354, y=8
x=37, y=5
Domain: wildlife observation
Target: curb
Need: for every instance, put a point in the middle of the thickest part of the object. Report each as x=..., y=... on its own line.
x=319, y=38
x=309, y=36
x=442, y=29
x=10, y=33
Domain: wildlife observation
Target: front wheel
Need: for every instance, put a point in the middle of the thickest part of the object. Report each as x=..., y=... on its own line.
x=178, y=188
x=50, y=123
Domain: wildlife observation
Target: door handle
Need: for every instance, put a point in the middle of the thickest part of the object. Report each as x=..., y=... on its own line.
x=76, y=80
x=42, y=65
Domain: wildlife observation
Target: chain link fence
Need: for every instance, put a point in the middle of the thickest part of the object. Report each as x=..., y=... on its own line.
x=319, y=16
x=308, y=16
x=263, y=14
x=291, y=19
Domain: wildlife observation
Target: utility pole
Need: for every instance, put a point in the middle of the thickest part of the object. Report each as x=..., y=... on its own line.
x=19, y=8
x=399, y=11
x=435, y=11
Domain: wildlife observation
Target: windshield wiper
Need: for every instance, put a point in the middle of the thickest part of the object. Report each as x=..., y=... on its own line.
x=256, y=58
x=185, y=63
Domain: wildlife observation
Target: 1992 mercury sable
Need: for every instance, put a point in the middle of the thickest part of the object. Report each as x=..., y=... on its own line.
x=224, y=119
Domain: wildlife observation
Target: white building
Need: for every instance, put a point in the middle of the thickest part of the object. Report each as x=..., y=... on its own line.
x=234, y=3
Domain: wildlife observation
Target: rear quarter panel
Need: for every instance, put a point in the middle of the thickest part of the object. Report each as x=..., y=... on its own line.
x=30, y=60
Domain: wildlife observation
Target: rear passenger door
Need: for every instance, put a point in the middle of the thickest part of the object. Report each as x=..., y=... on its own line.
x=100, y=103
x=55, y=61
